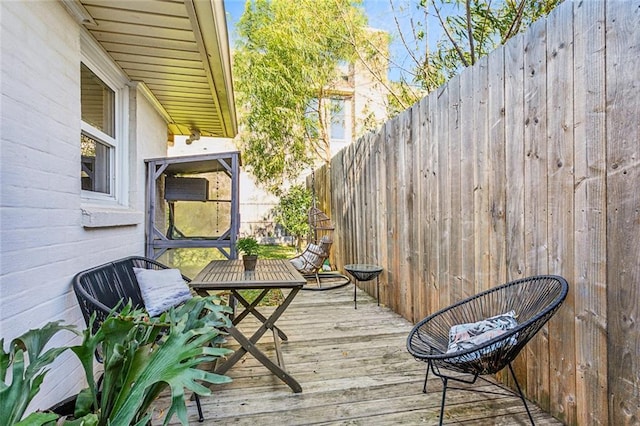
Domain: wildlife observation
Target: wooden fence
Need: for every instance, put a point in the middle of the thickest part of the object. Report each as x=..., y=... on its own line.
x=527, y=163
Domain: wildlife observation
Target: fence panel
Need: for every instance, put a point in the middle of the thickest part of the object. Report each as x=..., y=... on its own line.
x=527, y=163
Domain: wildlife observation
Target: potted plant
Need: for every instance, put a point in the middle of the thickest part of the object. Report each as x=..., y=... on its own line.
x=249, y=247
x=142, y=356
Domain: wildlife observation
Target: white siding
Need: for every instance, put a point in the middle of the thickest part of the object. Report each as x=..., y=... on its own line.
x=42, y=240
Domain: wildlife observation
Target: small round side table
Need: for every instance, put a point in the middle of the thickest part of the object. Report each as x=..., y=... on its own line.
x=364, y=272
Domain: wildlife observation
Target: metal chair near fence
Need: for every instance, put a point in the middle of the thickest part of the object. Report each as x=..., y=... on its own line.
x=483, y=334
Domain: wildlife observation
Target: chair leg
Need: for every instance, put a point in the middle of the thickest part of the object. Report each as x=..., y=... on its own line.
x=199, y=407
x=524, y=401
x=426, y=376
x=444, y=395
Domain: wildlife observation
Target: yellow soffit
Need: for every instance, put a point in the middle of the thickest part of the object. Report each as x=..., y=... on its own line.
x=179, y=50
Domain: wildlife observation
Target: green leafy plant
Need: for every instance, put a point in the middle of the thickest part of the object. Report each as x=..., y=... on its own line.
x=143, y=356
x=28, y=362
x=248, y=245
x=291, y=212
x=288, y=53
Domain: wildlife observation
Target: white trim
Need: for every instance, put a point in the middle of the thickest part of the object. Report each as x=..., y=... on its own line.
x=97, y=60
x=79, y=12
x=96, y=216
x=140, y=85
x=94, y=56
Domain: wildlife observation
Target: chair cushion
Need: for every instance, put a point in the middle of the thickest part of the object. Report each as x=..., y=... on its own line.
x=297, y=262
x=161, y=289
x=469, y=335
x=309, y=257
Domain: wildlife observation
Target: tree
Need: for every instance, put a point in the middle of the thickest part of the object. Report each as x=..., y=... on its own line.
x=292, y=210
x=469, y=30
x=285, y=63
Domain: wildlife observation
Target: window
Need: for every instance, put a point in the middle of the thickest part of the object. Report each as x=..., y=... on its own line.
x=344, y=70
x=104, y=104
x=97, y=138
x=339, y=127
x=311, y=117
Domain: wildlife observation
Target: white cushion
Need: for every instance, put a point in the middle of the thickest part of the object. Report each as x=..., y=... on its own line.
x=161, y=289
x=308, y=258
x=297, y=262
x=469, y=335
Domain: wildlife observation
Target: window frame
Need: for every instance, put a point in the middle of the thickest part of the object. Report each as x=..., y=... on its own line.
x=96, y=60
x=346, y=116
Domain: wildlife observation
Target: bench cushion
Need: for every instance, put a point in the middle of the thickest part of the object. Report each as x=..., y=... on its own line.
x=161, y=289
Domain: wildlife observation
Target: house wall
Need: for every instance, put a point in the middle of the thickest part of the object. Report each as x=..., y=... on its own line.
x=43, y=241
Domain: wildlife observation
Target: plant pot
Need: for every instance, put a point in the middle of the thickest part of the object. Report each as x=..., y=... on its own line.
x=249, y=262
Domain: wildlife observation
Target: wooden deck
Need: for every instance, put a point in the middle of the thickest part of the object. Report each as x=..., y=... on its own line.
x=354, y=370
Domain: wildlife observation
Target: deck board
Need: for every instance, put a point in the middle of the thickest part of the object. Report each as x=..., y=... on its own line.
x=354, y=370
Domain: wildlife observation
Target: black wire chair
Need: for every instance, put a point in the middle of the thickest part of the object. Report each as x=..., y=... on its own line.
x=534, y=301
x=107, y=287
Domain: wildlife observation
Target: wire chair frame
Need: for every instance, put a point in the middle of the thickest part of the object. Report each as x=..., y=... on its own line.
x=534, y=300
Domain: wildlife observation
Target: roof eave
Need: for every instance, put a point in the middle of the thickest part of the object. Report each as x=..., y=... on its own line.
x=209, y=26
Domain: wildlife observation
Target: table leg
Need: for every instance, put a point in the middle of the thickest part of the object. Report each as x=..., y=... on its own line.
x=249, y=345
x=248, y=307
x=355, y=294
x=251, y=308
x=260, y=356
x=378, y=289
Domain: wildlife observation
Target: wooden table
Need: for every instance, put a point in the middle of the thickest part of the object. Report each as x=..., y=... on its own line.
x=269, y=274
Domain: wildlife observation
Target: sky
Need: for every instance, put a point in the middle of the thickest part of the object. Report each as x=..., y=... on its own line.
x=381, y=16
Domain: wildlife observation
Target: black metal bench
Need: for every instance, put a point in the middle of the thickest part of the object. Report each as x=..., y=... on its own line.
x=104, y=288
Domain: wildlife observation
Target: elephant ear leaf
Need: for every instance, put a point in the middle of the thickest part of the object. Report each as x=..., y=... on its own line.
x=154, y=362
x=38, y=419
x=28, y=361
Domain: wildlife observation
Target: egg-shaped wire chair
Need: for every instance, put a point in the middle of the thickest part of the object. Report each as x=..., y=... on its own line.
x=507, y=316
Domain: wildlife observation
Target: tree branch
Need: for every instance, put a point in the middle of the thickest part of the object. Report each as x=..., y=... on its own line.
x=445, y=27
x=484, y=27
x=470, y=33
x=365, y=62
x=515, y=25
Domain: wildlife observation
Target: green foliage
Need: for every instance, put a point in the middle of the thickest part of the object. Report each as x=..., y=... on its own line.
x=26, y=366
x=248, y=245
x=472, y=29
x=291, y=212
x=142, y=356
x=287, y=55
x=190, y=261
x=277, y=251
